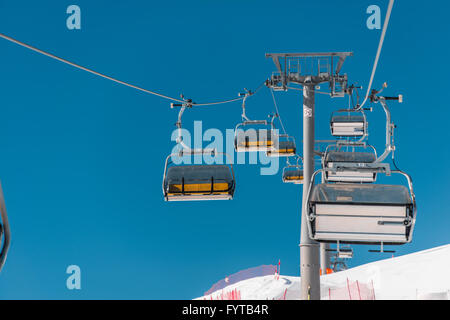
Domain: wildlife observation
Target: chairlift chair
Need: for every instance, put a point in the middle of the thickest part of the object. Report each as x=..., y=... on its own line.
x=348, y=123
x=198, y=182
x=284, y=146
x=256, y=137
x=361, y=213
x=293, y=173
x=350, y=166
x=345, y=253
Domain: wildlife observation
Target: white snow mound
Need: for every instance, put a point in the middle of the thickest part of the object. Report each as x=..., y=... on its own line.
x=420, y=275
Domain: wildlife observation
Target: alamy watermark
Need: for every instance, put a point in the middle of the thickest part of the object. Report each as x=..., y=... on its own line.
x=374, y=20
x=73, y=282
x=73, y=21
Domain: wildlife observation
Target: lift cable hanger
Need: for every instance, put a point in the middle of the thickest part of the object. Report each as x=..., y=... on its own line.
x=285, y=145
x=111, y=78
x=277, y=111
x=380, y=46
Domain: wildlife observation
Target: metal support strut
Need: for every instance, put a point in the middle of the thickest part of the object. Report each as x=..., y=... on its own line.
x=309, y=249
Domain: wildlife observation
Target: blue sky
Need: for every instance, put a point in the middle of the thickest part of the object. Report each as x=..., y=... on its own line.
x=83, y=157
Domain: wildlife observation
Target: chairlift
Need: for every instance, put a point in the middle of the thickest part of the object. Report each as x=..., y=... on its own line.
x=361, y=213
x=350, y=166
x=345, y=252
x=283, y=144
x=293, y=173
x=283, y=148
x=348, y=123
x=257, y=135
x=197, y=182
x=254, y=138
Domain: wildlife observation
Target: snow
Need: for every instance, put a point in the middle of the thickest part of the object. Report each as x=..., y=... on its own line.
x=420, y=275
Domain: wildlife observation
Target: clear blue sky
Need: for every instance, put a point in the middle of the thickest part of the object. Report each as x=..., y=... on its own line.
x=82, y=157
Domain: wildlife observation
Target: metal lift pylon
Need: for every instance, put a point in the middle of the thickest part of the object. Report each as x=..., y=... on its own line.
x=309, y=70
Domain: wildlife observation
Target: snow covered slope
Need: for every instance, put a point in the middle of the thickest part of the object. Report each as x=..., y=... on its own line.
x=421, y=275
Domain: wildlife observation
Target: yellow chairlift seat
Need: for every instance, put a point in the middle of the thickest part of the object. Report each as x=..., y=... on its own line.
x=199, y=182
x=205, y=188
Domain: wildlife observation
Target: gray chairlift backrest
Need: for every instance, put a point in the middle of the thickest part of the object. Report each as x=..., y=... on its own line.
x=347, y=118
x=345, y=156
x=348, y=123
x=350, y=166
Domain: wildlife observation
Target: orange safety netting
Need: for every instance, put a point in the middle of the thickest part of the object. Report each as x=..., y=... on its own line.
x=229, y=295
x=353, y=290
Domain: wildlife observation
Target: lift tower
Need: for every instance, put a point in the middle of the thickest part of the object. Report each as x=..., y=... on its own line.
x=309, y=70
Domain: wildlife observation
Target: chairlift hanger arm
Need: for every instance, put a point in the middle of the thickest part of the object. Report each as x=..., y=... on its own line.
x=380, y=46
x=246, y=120
x=411, y=190
x=244, y=99
x=183, y=106
x=390, y=126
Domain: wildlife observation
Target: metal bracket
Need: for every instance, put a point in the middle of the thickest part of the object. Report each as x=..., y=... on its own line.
x=352, y=166
x=291, y=69
x=382, y=250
